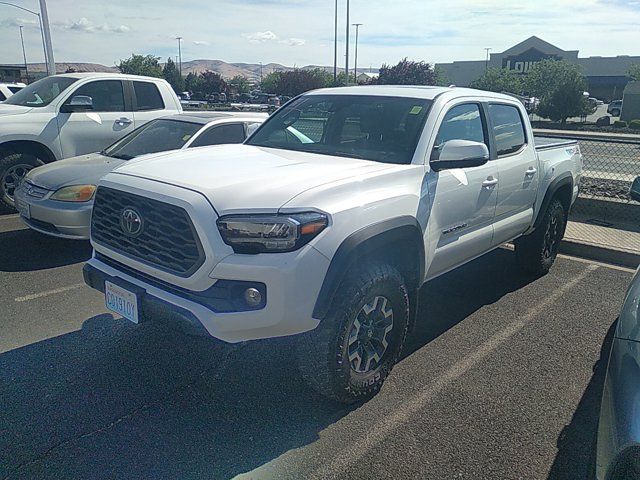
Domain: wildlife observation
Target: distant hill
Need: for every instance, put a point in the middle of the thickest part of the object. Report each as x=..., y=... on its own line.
x=227, y=70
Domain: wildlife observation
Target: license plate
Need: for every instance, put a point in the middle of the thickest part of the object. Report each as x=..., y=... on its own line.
x=23, y=208
x=121, y=301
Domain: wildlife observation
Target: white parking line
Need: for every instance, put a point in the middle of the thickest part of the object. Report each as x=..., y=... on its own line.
x=33, y=296
x=378, y=432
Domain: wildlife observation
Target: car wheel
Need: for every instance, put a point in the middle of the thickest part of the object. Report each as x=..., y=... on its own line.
x=351, y=353
x=537, y=251
x=13, y=168
x=615, y=112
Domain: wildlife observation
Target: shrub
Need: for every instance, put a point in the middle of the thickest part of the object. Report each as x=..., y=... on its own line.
x=619, y=124
x=634, y=124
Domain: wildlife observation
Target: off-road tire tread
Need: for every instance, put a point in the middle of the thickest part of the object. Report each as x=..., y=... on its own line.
x=317, y=349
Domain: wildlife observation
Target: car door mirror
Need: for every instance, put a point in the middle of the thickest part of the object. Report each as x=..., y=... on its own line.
x=78, y=103
x=634, y=192
x=460, y=154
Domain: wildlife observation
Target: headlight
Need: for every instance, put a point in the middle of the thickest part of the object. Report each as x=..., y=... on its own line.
x=270, y=233
x=74, y=193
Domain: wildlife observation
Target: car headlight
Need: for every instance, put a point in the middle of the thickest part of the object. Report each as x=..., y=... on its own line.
x=74, y=193
x=270, y=233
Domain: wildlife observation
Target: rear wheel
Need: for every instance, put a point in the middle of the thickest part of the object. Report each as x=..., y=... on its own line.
x=13, y=168
x=537, y=251
x=615, y=112
x=351, y=353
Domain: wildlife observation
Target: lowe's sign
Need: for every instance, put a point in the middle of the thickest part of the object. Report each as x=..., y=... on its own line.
x=524, y=61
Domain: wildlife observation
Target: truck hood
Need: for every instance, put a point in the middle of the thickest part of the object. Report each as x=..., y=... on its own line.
x=6, y=109
x=241, y=177
x=81, y=170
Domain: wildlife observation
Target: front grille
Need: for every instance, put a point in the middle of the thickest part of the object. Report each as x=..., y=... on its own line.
x=33, y=190
x=168, y=240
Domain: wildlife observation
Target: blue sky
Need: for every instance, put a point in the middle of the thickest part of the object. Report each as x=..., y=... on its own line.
x=300, y=32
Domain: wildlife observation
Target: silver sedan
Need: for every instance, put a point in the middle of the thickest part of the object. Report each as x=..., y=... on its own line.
x=618, y=444
x=56, y=199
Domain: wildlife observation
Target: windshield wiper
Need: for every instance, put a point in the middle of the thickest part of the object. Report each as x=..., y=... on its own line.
x=120, y=156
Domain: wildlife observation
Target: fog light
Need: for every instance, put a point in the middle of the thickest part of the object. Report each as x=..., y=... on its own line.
x=252, y=297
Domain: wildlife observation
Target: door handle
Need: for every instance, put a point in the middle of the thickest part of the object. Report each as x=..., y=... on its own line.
x=530, y=172
x=490, y=182
x=124, y=121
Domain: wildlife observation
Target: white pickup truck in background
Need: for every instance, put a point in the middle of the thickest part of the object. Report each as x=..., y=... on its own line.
x=67, y=115
x=329, y=219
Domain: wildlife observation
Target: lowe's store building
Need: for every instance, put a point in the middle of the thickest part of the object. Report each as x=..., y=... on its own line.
x=606, y=76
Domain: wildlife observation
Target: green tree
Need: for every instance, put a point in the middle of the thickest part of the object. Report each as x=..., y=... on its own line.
x=499, y=80
x=148, y=65
x=212, y=82
x=407, y=72
x=560, y=86
x=634, y=71
x=240, y=84
x=172, y=75
x=269, y=82
x=295, y=82
x=192, y=83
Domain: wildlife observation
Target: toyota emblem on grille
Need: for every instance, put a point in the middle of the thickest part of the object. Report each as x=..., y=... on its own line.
x=131, y=222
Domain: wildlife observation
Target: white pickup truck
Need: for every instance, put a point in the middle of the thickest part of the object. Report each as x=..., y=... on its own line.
x=73, y=114
x=329, y=219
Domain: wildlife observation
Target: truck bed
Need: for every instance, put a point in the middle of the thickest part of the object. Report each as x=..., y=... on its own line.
x=547, y=143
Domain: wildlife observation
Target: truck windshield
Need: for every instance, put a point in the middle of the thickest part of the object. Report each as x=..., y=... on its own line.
x=379, y=128
x=42, y=92
x=155, y=136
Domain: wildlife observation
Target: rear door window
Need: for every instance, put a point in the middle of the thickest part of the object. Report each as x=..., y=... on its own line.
x=148, y=96
x=219, y=134
x=508, y=129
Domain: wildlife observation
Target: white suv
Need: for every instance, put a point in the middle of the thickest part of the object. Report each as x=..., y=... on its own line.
x=72, y=114
x=8, y=89
x=328, y=220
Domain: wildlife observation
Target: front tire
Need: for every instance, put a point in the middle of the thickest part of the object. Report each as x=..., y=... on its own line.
x=13, y=168
x=351, y=353
x=537, y=252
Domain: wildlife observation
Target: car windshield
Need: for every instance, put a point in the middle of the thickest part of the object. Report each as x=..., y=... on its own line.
x=380, y=128
x=155, y=136
x=42, y=92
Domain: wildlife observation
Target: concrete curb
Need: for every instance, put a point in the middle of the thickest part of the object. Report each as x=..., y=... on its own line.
x=600, y=253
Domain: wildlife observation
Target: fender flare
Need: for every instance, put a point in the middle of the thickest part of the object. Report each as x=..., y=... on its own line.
x=563, y=179
x=362, y=243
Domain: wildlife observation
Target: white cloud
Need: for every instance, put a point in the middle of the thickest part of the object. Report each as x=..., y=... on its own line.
x=85, y=25
x=294, y=42
x=201, y=42
x=261, y=37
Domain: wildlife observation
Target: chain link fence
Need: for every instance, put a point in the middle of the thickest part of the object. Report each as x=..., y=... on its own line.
x=605, y=213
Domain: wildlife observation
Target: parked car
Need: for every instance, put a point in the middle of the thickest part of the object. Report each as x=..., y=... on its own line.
x=330, y=234
x=8, y=89
x=618, y=443
x=615, y=108
x=56, y=199
x=597, y=102
x=63, y=116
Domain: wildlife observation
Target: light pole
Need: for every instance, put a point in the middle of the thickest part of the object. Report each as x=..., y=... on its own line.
x=24, y=55
x=51, y=64
x=355, y=60
x=486, y=62
x=335, y=43
x=346, y=56
x=44, y=43
x=179, y=55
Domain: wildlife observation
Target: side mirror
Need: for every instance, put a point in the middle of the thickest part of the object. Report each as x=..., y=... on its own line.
x=635, y=190
x=460, y=154
x=78, y=103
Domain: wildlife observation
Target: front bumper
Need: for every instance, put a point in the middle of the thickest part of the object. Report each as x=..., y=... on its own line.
x=619, y=425
x=59, y=219
x=291, y=280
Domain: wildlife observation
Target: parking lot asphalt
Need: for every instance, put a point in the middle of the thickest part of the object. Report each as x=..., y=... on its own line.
x=501, y=379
